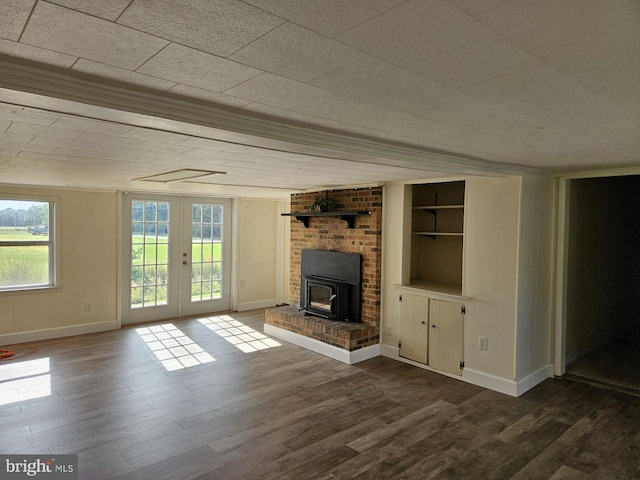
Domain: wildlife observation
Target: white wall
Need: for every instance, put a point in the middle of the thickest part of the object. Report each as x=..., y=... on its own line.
x=260, y=254
x=88, y=266
x=87, y=272
x=491, y=246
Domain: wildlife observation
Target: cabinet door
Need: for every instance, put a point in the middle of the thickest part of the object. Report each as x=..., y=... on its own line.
x=445, y=336
x=414, y=327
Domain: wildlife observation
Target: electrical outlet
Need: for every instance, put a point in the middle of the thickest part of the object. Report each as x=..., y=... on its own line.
x=88, y=307
x=483, y=343
x=389, y=330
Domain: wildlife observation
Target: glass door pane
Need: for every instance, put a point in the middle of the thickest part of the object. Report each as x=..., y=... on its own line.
x=149, y=253
x=206, y=251
x=208, y=277
x=151, y=275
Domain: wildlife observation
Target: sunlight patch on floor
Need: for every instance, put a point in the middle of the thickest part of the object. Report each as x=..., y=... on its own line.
x=238, y=334
x=24, y=380
x=174, y=349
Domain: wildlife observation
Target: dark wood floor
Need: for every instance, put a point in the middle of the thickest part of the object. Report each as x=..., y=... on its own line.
x=286, y=413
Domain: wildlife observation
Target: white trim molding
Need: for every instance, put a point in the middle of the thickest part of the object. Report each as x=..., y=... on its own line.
x=58, y=332
x=340, y=354
x=498, y=384
x=243, y=307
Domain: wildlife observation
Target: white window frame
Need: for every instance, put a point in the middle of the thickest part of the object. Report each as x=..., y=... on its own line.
x=52, y=243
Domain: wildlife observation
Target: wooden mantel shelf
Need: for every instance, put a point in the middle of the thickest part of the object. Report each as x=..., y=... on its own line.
x=349, y=217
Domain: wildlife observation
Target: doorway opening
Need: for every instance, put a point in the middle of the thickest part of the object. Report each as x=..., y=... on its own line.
x=602, y=301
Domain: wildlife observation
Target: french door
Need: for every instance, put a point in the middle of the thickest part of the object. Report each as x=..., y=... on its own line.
x=175, y=256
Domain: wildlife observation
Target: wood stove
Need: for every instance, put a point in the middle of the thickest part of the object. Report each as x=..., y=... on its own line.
x=330, y=284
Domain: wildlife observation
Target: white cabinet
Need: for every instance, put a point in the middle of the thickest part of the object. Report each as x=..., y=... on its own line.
x=414, y=327
x=431, y=331
x=446, y=320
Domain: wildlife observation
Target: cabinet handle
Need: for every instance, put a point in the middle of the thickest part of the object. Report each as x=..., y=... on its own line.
x=423, y=322
x=433, y=326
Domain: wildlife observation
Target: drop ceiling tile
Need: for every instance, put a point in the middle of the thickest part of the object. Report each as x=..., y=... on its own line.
x=367, y=79
x=109, y=10
x=219, y=27
x=67, y=31
x=164, y=147
x=328, y=17
x=31, y=129
x=538, y=79
x=206, y=144
x=9, y=152
x=594, y=50
x=618, y=83
x=281, y=114
x=150, y=135
x=92, y=126
x=292, y=95
x=297, y=53
x=15, y=137
x=474, y=7
x=40, y=55
x=533, y=24
x=207, y=96
x=102, y=71
x=198, y=69
x=101, y=139
x=28, y=147
x=26, y=115
x=14, y=14
x=59, y=141
x=415, y=30
x=475, y=62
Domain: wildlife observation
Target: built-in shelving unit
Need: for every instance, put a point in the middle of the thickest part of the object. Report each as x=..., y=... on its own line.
x=349, y=217
x=437, y=231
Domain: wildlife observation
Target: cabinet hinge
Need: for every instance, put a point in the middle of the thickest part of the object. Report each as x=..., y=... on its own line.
x=463, y=309
x=400, y=298
x=461, y=365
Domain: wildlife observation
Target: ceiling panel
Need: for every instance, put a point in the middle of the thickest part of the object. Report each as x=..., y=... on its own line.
x=219, y=27
x=304, y=94
x=295, y=52
x=88, y=37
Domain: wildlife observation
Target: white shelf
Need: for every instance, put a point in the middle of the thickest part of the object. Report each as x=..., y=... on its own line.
x=438, y=207
x=440, y=234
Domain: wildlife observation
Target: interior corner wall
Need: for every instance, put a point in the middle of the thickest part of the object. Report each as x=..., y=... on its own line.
x=534, y=327
x=603, y=266
x=87, y=271
x=258, y=259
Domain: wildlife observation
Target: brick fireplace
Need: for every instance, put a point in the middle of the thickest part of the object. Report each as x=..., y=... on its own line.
x=333, y=233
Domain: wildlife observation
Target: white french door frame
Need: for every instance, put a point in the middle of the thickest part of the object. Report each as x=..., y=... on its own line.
x=179, y=259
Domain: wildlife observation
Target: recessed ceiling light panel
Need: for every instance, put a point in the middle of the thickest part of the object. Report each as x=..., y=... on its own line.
x=178, y=175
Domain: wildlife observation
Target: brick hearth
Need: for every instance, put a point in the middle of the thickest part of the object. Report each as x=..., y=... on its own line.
x=346, y=335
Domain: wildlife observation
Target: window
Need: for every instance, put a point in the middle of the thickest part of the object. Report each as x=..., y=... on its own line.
x=26, y=244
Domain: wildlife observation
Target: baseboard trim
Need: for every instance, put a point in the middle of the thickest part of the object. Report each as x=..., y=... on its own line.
x=58, y=332
x=482, y=379
x=340, y=354
x=243, y=307
x=534, y=378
